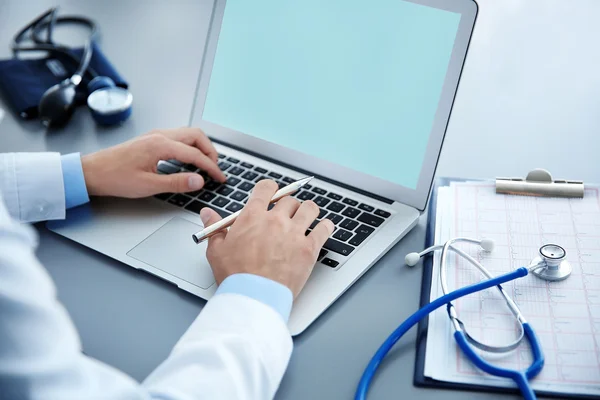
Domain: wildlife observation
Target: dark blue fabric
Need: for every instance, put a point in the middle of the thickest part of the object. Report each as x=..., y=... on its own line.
x=24, y=81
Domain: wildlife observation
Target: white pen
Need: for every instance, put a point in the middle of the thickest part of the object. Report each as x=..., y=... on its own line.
x=205, y=233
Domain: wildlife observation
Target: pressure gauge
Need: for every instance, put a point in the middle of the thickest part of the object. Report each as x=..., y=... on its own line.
x=110, y=104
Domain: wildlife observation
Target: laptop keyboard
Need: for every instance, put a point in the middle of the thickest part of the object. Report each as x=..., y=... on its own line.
x=354, y=221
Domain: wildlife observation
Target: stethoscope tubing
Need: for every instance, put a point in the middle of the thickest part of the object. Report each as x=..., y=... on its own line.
x=521, y=378
x=368, y=374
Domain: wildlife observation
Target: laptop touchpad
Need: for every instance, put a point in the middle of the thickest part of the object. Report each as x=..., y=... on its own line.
x=172, y=250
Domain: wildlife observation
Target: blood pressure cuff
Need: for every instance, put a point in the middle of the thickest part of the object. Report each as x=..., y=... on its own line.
x=24, y=81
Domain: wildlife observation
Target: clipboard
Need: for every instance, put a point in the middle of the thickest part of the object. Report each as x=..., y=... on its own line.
x=420, y=380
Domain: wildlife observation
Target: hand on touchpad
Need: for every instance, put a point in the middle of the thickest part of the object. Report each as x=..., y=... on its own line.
x=171, y=249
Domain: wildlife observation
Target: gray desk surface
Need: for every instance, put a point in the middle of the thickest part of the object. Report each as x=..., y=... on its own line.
x=529, y=97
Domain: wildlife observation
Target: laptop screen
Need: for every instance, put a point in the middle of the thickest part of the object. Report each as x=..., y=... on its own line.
x=350, y=81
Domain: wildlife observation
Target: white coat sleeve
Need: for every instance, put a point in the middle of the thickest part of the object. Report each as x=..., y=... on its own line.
x=32, y=186
x=238, y=348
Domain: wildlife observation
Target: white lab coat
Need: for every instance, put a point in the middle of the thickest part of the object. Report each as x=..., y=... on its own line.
x=237, y=348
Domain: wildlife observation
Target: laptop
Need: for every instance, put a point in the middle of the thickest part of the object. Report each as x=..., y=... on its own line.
x=357, y=94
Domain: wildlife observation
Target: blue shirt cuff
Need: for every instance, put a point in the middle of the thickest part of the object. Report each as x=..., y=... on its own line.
x=74, y=181
x=269, y=292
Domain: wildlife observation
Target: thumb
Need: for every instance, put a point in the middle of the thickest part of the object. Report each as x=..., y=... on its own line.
x=177, y=183
x=209, y=217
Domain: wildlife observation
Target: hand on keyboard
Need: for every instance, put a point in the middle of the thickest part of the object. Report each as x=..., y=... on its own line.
x=272, y=244
x=129, y=169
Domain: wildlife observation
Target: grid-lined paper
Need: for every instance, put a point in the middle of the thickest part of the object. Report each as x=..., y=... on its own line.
x=565, y=315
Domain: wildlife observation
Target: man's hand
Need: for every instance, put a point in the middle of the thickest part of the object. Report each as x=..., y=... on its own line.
x=271, y=243
x=129, y=169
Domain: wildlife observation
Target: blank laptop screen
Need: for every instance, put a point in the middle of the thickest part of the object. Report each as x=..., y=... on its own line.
x=354, y=82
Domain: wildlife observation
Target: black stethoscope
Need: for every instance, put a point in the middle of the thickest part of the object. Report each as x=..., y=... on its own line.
x=109, y=103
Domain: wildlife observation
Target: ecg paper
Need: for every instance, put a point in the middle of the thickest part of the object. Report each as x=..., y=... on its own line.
x=565, y=315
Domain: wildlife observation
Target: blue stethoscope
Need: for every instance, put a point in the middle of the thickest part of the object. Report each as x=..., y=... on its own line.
x=551, y=265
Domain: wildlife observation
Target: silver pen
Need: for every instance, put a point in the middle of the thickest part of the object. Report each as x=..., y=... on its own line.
x=205, y=233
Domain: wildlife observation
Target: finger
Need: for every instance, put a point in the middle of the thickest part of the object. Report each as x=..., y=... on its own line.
x=306, y=214
x=189, y=154
x=287, y=206
x=209, y=217
x=321, y=233
x=194, y=137
x=261, y=195
x=175, y=183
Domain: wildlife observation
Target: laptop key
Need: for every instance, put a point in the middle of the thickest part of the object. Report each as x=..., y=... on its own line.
x=180, y=200
x=342, y=235
x=364, y=229
x=234, y=207
x=282, y=185
x=305, y=195
x=206, y=196
x=247, y=165
x=236, y=171
x=250, y=175
x=289, y=180
x=246, y=186
x=238, y=196
x=351, y=212
x=361, y=234
x=204, y=175
x=366, y=207
x=314, y=223
x=211, y=185
x=330, y=263
x=163, y=196
x=382, y=213
x=322, y=253
x=334, y=196
x=338, y=247
x=307, y=186
x=322, y=213
x=222, y=155
x=370, y=219
x=335, y=218
x=275, y=175
x=349, y=224
x=335, y=206
x=260, y=170
x=350, y=202
x=224, y=165
x=318, y=190
x=221, y=201
x=262, y=178
x=225, y=190
x=233, y=160
x=195, y=206
x=232, y=181
x=321, y=201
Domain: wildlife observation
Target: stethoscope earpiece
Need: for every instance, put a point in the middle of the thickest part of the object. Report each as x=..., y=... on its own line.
x=487, y=244
x=412, y=259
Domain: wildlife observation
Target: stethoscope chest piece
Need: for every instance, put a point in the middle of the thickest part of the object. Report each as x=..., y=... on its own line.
x=552, y=263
